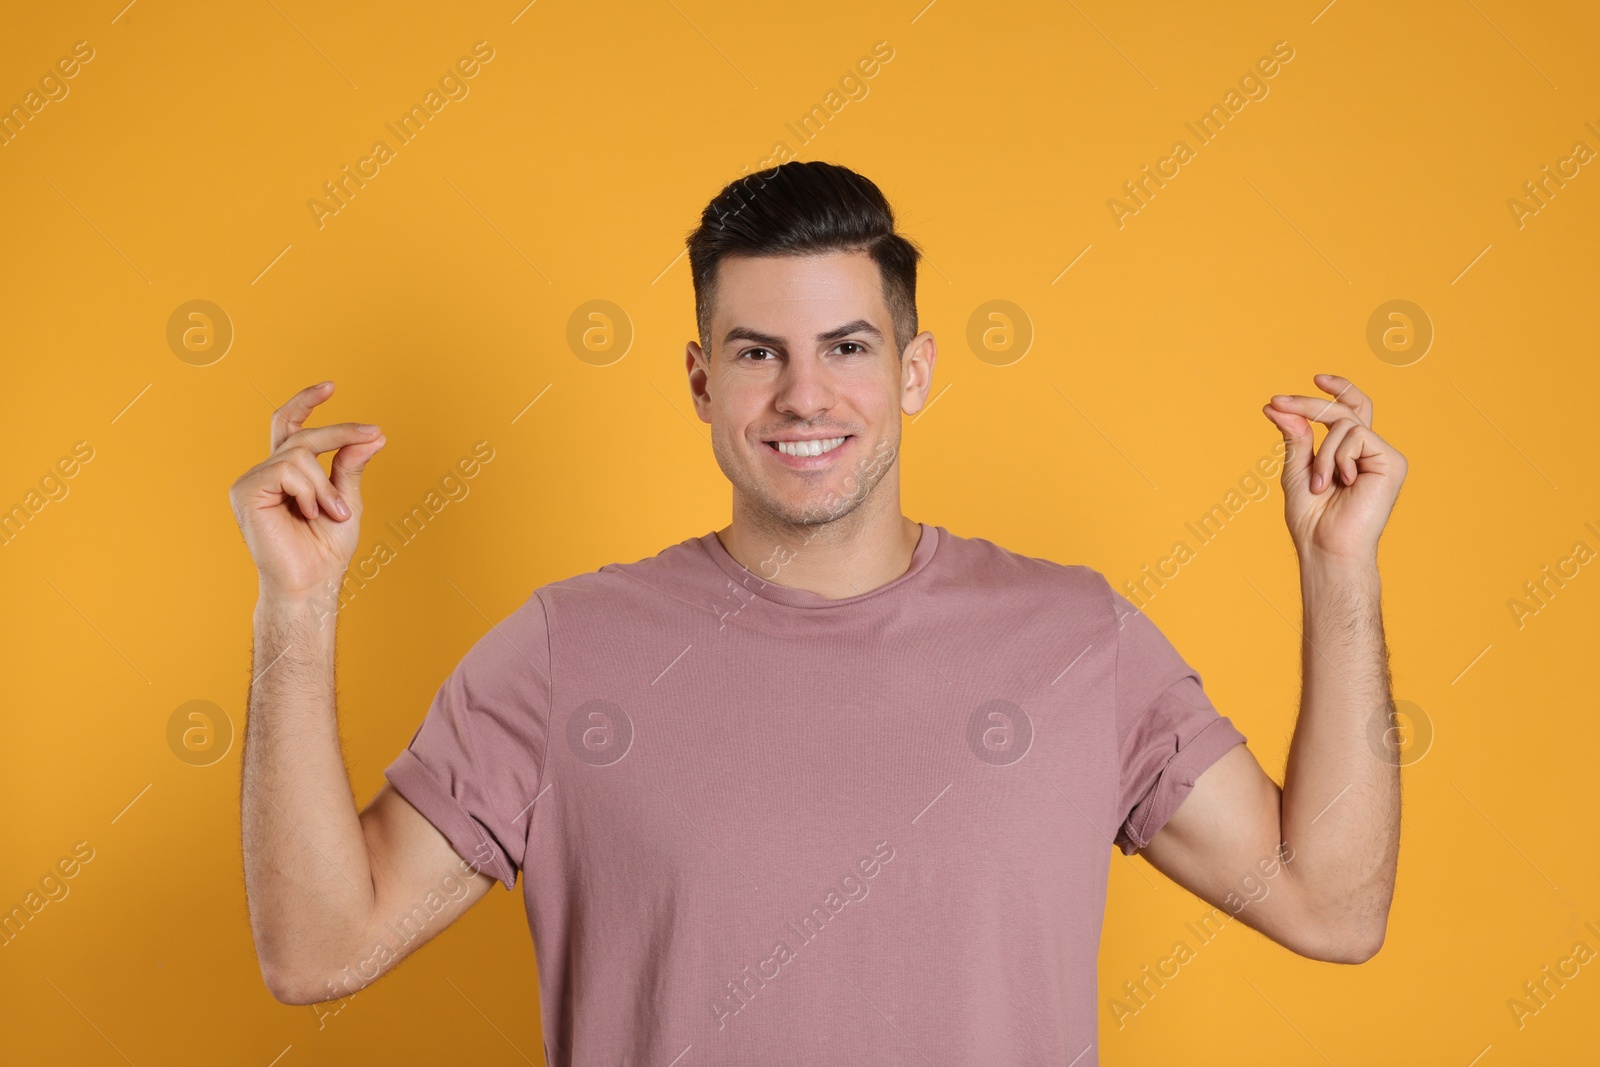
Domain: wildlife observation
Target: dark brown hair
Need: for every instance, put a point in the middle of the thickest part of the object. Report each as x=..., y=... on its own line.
x=804, y=208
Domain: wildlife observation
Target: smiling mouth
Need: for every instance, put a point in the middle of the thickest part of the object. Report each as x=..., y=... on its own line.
x=803, y=449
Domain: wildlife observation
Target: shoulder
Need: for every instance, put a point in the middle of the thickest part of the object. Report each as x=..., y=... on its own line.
x=676, y=574
x=989, y=568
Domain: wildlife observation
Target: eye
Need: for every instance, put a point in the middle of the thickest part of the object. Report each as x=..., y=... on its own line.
x=859, y=346
x=749, y=351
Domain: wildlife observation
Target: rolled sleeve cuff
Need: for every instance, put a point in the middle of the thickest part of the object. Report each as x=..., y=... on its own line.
x=411, y=777
x=1176, y=781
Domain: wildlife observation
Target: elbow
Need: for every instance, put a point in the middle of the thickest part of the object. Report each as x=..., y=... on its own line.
x=1347, y=930
x=287, y=987
x=1344, y=945
x=1368, y=947
x=1352, y=951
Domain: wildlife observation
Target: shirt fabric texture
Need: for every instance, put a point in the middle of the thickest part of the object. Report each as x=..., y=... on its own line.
x=764, y=826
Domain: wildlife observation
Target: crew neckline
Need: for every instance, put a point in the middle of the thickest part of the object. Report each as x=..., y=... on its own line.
x=789, y=596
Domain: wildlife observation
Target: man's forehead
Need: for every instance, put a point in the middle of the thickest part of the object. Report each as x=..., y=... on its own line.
x=802, y=294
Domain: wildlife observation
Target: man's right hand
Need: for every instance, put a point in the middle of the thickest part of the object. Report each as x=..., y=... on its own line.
x=300, y=525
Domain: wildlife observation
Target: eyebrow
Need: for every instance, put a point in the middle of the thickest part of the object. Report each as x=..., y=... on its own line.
x=745, y=333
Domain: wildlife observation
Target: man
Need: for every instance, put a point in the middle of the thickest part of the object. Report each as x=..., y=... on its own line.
x=827, y=784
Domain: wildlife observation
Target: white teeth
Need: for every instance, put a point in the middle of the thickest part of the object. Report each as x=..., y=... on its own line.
x=809, y=448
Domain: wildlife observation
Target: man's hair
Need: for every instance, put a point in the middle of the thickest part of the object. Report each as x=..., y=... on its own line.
x=799, y=209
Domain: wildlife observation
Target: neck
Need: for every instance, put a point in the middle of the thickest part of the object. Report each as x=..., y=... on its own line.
x=851, y=555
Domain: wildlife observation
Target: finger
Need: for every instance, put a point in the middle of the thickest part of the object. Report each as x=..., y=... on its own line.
x=1297, y=435
x=1347, y=456
x=329, y=501
x=1322, y=466
x=349, y=463
x=290, y=481
x=1344, y=390
x=292, y=415
x=1316, y=408
x=319, y=439
x=1376, y=454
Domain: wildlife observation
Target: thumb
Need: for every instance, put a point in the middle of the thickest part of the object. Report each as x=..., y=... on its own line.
x=1297, y=437
x=348, y=464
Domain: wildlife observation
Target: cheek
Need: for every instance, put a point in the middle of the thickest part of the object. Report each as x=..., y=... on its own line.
x=870, y=394
x=741, y=409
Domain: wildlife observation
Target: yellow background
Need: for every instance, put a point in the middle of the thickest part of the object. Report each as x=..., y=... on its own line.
x=1378, y=167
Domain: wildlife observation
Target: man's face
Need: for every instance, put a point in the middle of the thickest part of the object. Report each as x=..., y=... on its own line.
x=802, y=354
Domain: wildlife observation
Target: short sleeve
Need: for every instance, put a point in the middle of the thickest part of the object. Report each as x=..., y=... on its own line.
x=473, y=767
x=1168, y=731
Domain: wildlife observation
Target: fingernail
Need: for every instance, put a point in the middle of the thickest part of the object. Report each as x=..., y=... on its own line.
x=1280, y=397
x=1316, y=482
x=367, y=427
x=342, y=508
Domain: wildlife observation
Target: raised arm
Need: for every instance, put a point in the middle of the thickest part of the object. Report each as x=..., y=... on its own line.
x=1313, y=865
x=322, y=879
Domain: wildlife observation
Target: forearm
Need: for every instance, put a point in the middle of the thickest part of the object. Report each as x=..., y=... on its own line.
x=307, y=878
x=1341, y=799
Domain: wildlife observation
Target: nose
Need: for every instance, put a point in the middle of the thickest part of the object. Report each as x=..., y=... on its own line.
x=805, y=388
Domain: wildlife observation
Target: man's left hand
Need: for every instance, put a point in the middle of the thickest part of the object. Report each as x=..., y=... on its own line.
x=1337, y=500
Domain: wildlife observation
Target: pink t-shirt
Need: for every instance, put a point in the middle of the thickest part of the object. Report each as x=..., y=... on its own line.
x=756, y=825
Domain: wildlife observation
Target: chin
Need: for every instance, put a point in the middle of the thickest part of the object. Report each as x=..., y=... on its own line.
x=826, y=509
x=815, y=510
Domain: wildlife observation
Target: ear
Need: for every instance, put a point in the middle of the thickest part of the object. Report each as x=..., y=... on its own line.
x=698, y=367
x=916, y=372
